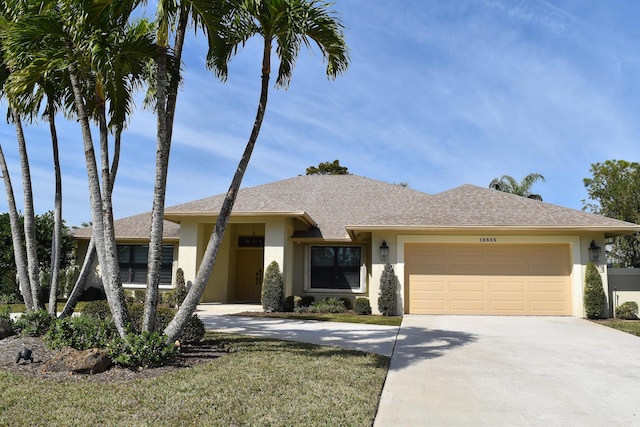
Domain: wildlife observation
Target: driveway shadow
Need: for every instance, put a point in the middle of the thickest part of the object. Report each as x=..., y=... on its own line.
x=414, y=344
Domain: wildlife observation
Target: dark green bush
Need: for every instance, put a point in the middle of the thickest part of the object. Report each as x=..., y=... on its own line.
x=595, y=301
x=327, y=305
x=33, y=323
x=81, y=332
x=147, y=350
x=627, y=310
x=362, y=306
x=306, y=300
x=388, y=291
x=289, y=304
x=347, y=303
x=194, y=330
x=93, y=294
x=98, y=309
x=136, y=313
x=272, y=289
x=139, y=295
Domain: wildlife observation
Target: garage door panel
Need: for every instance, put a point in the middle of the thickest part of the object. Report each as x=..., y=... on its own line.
x=489, y=279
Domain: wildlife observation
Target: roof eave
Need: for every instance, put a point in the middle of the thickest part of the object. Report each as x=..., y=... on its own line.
x=609, y=231
x=302, y=215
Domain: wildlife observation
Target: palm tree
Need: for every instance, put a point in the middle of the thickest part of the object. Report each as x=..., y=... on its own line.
x=102, y=54
x=509, y=184
x=288, y=24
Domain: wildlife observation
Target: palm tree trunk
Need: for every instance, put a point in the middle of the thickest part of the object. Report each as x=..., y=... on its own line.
x=190, y=303
x=90, y=256
x=95, y=198
x=16, y=236
x=29, y=221
x=165, y=111
x=56, y=241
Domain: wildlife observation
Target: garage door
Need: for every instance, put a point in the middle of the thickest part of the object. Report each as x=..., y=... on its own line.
x=497, y=279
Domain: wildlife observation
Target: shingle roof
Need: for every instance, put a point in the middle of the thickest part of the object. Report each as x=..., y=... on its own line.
x=135, y=227
x=333, y=205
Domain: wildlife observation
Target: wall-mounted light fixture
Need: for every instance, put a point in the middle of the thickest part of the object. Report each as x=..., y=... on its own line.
x=594, y=251
x=384, y=251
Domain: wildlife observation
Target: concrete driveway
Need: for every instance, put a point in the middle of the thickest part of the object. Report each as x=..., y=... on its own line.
x=511, y=371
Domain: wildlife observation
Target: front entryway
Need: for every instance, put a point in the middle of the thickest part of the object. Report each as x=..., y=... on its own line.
x=249, y=272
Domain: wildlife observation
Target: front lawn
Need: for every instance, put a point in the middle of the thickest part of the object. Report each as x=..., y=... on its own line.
x=348, y=317
x=259, y=382
x=628, y=326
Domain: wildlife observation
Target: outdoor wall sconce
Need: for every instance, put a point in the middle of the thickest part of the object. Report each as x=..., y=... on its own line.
x=594, y=251
x=384, y=251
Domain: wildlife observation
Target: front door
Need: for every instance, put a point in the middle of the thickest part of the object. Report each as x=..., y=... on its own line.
x=249, y=273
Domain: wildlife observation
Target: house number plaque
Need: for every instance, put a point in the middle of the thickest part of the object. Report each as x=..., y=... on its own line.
x=488, y=239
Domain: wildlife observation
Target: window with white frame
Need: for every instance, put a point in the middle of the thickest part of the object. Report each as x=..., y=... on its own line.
x=335, y=268
x=133, y=263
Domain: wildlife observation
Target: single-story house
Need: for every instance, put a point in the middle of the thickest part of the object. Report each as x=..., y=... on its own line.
x=469, y=250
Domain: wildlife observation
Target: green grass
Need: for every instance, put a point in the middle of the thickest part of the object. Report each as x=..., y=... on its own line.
x=331, y=317
x=20, y=308
x=628, y=326
x=260, y=382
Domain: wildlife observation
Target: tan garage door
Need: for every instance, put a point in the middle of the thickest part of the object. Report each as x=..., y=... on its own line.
x=532, y=279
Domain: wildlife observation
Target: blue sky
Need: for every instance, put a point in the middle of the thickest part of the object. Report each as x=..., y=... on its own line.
x=438, y=94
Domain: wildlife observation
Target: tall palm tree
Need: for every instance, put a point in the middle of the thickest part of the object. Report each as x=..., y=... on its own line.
x=101, y=52
x=509, y=184
x=288, y=24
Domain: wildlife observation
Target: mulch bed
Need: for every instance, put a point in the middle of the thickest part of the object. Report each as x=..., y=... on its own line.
x=190, y=355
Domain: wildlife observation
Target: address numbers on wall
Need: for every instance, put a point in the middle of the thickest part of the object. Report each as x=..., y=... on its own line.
x=488, y=239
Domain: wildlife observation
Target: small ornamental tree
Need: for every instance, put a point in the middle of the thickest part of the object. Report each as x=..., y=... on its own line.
x=595, y=301
x=273, y=289
x=181, y=287
x=388, y=291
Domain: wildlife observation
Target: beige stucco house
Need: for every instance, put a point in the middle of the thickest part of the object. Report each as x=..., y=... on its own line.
x=469, y=250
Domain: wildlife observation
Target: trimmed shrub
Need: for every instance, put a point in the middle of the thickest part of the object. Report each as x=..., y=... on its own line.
x=93, y=294
x=181, y=290
x=81, y=332
x=194, y=330
x=136, y=313
x=98, y=309
x=306, y=300
x=272, y=289
x=139, y=295
x=595, y=301
x=327, y=305
x=362, y=306
x=33, y=323
x=147, y=350
x=388, y=291
x=289, y=304
x=347, y=303
x=627, y=310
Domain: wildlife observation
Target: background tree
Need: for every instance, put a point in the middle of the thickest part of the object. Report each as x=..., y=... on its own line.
x=328, y=168
x=509, y=184
x=614, y=191
x=288, y=24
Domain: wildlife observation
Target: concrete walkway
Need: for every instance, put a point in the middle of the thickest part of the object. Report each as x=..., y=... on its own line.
x=511, y=371
x=369, y=338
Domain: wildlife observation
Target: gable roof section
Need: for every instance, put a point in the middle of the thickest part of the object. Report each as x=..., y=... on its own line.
x=473, y=207
x=326, y=202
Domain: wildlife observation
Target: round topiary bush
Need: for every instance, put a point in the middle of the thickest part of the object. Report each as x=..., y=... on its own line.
x=627, y=310
x=193, y=331
x=362, y=306
x=98, y=309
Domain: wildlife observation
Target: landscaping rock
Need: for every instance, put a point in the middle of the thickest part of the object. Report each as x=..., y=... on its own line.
x=5, y=329
x=91, y=361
